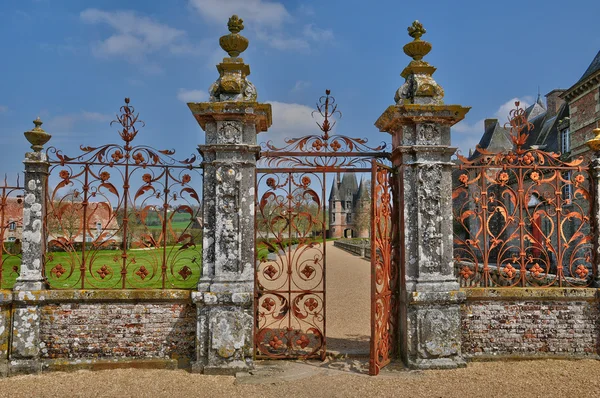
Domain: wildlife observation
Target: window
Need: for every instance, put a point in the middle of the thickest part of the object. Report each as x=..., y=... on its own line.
x=98, y=226
x=348, y=205
x=349, y=217
x=88, y=239
x=12, y=239
x=12, y=226
x=565, y=141
x=567, y=189
x=332, y=217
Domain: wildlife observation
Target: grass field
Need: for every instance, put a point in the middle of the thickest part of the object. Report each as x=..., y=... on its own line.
x=179, y=221
x=108, y=263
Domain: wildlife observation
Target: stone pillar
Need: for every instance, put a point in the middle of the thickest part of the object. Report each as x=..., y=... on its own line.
x=594, y=145
x=25, y=344
x=225, y=294
x=420, y=127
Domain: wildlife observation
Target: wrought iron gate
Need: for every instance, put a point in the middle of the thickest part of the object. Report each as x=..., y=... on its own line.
x=384, y=269
x=291, y=234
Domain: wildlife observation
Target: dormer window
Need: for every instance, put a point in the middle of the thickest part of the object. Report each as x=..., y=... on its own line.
x=565, y=141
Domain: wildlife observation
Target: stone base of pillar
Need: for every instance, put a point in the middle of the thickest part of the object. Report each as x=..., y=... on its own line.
x=29, y=285
x=433, y=330
x=24, y=367
x=224, y=331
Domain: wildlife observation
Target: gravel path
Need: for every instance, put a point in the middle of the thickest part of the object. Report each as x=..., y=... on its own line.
x=348, y=312
x=493, y=379
x=348, y=303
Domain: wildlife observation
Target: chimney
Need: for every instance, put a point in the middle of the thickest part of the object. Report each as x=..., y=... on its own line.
x=554, y=102
x=490, y=123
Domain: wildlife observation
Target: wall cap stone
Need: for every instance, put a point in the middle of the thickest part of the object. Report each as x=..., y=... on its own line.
x=396, y=116
x=526, y=294
x=427, y=298
x=36, y=296
x=6, y=297
x=258, y=113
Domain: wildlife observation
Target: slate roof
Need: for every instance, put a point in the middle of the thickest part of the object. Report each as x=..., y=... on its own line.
x=593, y=68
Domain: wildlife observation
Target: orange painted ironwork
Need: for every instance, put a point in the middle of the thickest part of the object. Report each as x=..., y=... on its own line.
x=291, y=226
x=384, y=270
x=522, y=217
x=121, y=216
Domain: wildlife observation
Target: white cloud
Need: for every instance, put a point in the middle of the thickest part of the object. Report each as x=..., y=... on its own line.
x=289, y=121
x=135, y=36
x=3, y=109
x=61, y=124
x=254, y=12
x=95, y=116
x=300, y=85
x=317, y=34
x=466, y=135
x=186, y=96
x=266, y=20
x=280, y=42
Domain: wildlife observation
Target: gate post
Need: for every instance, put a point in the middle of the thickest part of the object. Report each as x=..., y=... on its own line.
x=429, y=294
x=594, y=145
x=225, y=294
x=25, y=344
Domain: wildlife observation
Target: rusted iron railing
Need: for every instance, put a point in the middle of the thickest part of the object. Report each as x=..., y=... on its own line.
x=522, y=217
x=123, y=216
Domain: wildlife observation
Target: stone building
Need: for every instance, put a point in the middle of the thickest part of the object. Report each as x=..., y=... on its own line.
x=349, y=201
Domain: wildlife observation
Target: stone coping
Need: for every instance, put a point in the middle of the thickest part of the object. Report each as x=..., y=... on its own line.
x=529, y=294
x=132, y=295
x=75, y=364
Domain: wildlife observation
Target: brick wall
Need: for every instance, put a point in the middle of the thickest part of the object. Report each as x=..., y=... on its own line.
x=530, y=322
x=584, y=111
x=113, y=330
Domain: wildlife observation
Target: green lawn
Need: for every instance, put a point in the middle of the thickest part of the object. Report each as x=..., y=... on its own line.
x=179, y=221
x=63, y=269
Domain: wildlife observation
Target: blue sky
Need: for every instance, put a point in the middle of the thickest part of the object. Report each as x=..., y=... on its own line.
x=72, y=62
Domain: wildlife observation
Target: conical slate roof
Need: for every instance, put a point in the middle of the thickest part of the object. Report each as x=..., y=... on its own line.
x=335, y=193
x=348, y=187
x=363, y=190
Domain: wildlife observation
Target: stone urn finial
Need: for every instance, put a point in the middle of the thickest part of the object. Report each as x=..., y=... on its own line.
x=417, y=48
x=234, y=43
x=37, y=137
x=594, y=143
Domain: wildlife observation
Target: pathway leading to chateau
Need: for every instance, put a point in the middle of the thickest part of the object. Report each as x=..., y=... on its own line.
x=348, y=303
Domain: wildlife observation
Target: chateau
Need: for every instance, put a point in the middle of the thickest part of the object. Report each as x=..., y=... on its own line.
x=349, y=204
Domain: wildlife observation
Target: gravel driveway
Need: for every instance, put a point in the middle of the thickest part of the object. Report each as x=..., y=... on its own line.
x=548, y=378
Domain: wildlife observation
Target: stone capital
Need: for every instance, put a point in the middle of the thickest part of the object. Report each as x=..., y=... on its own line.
x=246, y=112
x=396, y=116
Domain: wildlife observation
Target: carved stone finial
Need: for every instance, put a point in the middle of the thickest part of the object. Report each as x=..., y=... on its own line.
x=234, y=43
x=235, y=24
x=37, y=137
x=420, y=87
x=418, y=48
x=232, y=84
x=416, y=30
